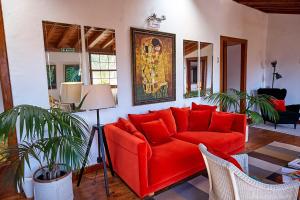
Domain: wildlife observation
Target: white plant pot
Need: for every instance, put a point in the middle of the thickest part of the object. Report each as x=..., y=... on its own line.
x=28, y=187
x=56, y=189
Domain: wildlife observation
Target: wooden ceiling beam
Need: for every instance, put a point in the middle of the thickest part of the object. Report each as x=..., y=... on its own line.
x=66, y=35
x=50, y=33
x=98, y=39
x=109, y=43
x=190, y=48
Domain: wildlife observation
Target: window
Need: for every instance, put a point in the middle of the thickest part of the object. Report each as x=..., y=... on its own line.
x=103, y=69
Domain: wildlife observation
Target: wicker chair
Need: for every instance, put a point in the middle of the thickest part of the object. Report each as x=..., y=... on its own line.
x=227, y=182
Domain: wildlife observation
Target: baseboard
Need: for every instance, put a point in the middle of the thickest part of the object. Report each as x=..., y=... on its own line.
x=87, y=170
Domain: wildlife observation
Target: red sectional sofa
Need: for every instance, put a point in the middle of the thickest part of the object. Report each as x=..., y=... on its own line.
x=148, y=168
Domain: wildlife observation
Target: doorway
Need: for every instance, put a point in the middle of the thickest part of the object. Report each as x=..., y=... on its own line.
x=233, y=65
x=191, y=76
x=203, y=71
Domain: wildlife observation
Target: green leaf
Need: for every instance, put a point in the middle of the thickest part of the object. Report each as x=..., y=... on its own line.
x=232, y=98
x=64, y=142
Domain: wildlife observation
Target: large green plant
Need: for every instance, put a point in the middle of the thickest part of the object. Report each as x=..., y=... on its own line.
x=50, y=137
x=231, y=100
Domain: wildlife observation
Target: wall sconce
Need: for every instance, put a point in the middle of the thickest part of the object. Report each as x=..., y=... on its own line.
x=276, y=75
x=154, y=21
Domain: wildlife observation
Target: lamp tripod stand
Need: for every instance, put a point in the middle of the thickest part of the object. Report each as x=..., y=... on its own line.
x=102, y=149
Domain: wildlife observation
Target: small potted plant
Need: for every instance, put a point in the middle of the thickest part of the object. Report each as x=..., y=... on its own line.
x=57, y=140
x=232, y=99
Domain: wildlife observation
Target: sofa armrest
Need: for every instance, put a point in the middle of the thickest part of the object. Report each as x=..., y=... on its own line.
x=129, y=158
x=293, y=108
x=239, y=123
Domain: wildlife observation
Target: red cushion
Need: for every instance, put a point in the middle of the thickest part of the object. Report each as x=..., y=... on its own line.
x=221, y=122
x=232, y=142
x=173, y=159
x=203, y=107
x=138, y=119
x=167, y=116
x=279, y=105
x=181, y=116
x=224, y=156
x=156, y=132
x=126, y=125
x=199, y=120
x=142, y=137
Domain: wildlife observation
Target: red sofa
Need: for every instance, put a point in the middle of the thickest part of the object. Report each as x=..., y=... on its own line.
x=170, y=162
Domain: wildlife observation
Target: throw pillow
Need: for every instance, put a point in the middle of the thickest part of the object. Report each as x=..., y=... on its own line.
x=138, y=119
x=126, y=125
x=156, y=132
x=181, y=116
x=203, y=107
x=279, y=105
x=221, y=122
x=225, y=156
x=199, y=120
x=167, y=116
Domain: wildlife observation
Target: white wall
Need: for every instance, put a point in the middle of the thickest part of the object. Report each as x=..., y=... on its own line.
x=234, y=67
x=199, y=20
x=284, y=46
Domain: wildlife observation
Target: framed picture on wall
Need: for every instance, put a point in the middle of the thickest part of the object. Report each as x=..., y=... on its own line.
x=153, y=66
x=72, y=73
x=51, y=76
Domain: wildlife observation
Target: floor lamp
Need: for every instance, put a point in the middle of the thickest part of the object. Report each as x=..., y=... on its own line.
x=98, y=97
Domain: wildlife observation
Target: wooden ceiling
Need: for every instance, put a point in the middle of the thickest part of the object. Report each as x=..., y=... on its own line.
x=99, y=40
x=190, y=46
x=58, y=36
x=274, y=6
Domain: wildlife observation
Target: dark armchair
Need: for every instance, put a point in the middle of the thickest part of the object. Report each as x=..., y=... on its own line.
x=291, y=116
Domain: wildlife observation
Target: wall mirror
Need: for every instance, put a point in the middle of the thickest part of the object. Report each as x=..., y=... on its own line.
x=191, y=68
x=75, y=56
x=101, y=48
x=63, y=53
x=198, y=68
x=206, y=68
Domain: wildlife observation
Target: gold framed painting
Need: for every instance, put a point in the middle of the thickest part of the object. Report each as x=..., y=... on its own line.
x=153, y=66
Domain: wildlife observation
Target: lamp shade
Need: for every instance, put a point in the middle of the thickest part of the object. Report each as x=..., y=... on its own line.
x=98, y=97
x=70, y=92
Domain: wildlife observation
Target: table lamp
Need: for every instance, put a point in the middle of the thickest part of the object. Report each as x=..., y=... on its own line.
x=70, y=93
x=98, y=97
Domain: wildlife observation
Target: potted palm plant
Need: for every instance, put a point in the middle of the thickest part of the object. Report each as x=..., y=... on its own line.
x=254, y=103
x=57, y=140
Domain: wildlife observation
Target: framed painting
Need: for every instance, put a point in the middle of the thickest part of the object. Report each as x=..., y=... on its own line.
x=153, y=66
x=51, y=76
x=72, y=73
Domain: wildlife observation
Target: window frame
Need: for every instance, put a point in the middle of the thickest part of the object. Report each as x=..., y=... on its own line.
x=101, y=70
